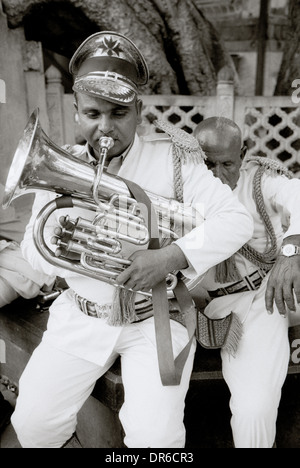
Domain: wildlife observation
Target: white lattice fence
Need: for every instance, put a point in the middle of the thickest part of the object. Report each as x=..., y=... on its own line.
x=271, y=128
x=270, y=125
x=183, y=111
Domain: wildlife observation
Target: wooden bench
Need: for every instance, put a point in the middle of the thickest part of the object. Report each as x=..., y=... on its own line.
x=21, y=328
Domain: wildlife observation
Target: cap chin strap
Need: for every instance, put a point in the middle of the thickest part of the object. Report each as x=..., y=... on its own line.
x=111, y=65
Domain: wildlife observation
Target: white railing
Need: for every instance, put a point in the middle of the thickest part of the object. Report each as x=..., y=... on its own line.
x=270, y=125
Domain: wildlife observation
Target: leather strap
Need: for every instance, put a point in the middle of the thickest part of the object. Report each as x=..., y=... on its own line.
x=189, y=312
x=170, y=369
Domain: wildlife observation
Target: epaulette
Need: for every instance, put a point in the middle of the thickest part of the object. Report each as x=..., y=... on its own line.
x=185, y=145
x=270, y=165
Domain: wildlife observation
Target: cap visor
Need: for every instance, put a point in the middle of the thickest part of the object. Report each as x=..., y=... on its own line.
x=107, y=89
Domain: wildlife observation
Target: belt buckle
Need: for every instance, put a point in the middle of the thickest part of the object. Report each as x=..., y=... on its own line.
x=92, y=309
x=102, y=311
x=99, y=312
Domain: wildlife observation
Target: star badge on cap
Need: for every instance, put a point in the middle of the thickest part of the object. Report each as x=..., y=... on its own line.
x=110, y=46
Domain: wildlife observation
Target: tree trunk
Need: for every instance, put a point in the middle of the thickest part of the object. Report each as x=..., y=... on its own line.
x=182, y=49
x=290, y=69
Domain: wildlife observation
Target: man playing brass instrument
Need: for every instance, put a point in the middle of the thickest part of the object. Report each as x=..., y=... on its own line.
x=82, y=341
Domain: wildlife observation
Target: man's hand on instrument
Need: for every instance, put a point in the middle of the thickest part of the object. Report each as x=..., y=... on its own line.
x=150, y=267
x=284, y=282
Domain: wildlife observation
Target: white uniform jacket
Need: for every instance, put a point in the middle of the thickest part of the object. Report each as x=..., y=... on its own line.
x=227, y=226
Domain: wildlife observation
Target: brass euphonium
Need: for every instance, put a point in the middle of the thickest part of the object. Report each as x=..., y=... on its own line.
x=114, y=219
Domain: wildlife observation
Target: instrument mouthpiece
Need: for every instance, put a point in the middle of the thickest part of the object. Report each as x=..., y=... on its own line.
x=106, y=143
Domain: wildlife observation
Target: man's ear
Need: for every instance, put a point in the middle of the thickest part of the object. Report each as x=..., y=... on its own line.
x=75, y=102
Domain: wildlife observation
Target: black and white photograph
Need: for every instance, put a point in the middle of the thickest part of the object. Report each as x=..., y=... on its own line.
x=150, y=226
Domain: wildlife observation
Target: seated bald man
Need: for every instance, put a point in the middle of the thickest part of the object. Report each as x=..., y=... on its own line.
x=260, y=283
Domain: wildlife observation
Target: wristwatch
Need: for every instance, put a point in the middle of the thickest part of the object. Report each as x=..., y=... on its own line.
x=289, y=250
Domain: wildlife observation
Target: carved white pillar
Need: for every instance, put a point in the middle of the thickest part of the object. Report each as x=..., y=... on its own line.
x=13, y=107
x=55, y=107
x=35, y=80
x=225, y=94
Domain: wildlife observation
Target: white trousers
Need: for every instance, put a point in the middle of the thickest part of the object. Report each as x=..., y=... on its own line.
x=255, y=377
x=55, y=385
